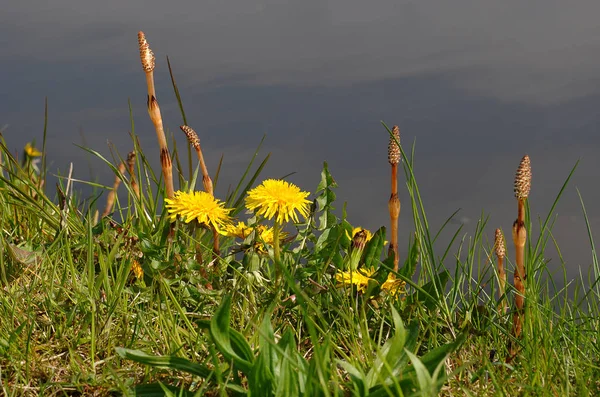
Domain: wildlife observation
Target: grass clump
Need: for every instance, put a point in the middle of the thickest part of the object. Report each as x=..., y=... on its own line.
x=267, y=290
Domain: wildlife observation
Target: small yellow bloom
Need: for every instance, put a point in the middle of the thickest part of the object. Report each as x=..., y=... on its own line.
x=263, y=234
x=358, y=229
x=360, y=278
x=280, y=199
x=266, y=234
x=31, y=151
x=393, y=285
x=199, y=206
x=367, y=231
x=137, y=270
x=241, y=230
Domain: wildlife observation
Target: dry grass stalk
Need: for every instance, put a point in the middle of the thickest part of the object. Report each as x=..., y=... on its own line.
x=110, y=199
x=519, y=233
x=500, y=248
x=195, y=142
x=131, y=166
x=148, y=64
x=394, y=157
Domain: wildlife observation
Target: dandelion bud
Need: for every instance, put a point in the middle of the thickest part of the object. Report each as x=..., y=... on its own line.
x=523, y=179
x=359, y=239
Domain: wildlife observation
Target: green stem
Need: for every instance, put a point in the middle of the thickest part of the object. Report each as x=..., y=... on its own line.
x=276, y=250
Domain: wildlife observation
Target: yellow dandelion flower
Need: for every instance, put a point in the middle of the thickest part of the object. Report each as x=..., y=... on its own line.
x=31, y=151
x=279, y=199
x=199, y=206
x=358, y=229
x=360, y=278
x=367, y=231
x=137, y=270
x=393, y=285
x=266, y=234
x=241, y=230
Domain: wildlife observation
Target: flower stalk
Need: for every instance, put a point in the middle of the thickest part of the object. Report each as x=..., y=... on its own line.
x=277, y=253
x=131, y=165
x=500, y=249
x=110, y=199
x=206, y=181
x=519, y=234
x=394, y=157
x=148, y=64
x=195, y=142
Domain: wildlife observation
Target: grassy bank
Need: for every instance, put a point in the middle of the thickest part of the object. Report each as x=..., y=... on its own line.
x=167, y=289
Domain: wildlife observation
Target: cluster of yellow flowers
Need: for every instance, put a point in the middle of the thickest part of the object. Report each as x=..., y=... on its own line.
x=271, y=199
x=264, y=234
x=360, y=278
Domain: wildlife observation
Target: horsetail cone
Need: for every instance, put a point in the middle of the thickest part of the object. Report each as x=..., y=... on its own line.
x=394, y=154
x=146, y=55
x=523, y=179
x=191, y=136
x=195, y=142
x=499, y=244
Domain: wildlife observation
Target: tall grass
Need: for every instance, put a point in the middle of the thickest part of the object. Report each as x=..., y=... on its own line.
x=125, y=304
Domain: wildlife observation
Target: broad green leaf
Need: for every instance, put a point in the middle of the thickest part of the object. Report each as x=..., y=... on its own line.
x=410, y=264
x=262, y=378
x=170, y=362
x=159, y=390
x=357, y=377
x=430, y=293
x=374, y=248
x=389, y=359
x=426, y=384
x=219, y=331
x=288, y=372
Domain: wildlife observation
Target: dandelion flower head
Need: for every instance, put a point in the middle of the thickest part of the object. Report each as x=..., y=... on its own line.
x=280, y=199
x=200, y=206
x=241, y=230
x=31, y=151
x=393, y=285
x=360, y=278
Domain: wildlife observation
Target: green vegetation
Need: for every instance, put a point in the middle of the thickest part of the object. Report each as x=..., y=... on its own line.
x=153, y=300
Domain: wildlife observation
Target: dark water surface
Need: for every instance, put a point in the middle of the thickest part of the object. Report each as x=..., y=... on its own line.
x=476, y=84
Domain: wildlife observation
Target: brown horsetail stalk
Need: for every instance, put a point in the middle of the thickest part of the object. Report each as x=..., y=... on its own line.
x=193, y=140
x=148, y=64
x=500, y=249
x=394, y=157
x=519, y=233
x=131, y=166
x=110, y=199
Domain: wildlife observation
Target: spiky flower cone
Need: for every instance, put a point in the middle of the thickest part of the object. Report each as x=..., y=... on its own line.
x=110, y=199
x=500, y=248
x=394, y=157
x=195, y=142
x=206, y=181
x=519, y=233
x=148, y=64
